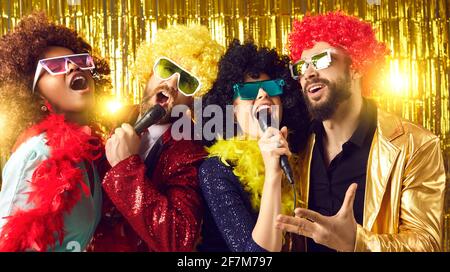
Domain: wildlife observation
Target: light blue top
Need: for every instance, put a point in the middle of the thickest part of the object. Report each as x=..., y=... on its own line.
x=79, y=225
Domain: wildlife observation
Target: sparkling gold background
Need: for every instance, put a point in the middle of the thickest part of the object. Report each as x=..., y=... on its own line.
x=415, y=85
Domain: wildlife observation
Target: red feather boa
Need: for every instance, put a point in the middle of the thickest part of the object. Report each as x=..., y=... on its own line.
x=56, y=187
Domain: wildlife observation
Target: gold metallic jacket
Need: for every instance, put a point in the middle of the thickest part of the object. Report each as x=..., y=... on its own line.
x=405, y=184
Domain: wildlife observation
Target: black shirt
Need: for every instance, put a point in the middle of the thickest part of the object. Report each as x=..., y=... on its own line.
x=328, y=185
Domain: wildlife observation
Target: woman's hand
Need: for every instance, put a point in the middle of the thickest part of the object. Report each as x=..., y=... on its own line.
x=273, y=144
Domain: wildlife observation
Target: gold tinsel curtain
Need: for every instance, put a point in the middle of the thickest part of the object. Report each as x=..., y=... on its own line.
x=416, y=84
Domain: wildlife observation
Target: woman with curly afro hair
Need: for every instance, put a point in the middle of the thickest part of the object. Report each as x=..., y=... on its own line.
x=51, y=195
x=242, y=182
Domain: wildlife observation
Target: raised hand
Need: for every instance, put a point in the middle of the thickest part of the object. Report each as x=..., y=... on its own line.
x=337, y=232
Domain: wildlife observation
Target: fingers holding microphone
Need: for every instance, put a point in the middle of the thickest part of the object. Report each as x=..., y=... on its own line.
x=273, y=144
x=122, y=144
x=125, y=141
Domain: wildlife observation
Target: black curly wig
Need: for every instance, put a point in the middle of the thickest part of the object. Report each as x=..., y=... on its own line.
x=247, y=59
x=20, y=50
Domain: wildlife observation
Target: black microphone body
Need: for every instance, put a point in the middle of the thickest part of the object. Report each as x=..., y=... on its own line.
x=263, y=117
x=151, y=117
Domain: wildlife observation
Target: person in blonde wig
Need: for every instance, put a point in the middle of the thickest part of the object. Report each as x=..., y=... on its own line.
x=155, y=202
x=189, y=46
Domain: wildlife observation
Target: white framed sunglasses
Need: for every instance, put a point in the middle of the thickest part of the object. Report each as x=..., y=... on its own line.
x=188, y=84
x=59, y=65
x=319, y=61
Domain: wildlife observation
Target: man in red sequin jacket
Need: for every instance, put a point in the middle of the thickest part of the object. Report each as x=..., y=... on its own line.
x=152, y=196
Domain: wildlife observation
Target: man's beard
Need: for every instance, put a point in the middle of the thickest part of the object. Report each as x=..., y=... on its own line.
x=339, y=91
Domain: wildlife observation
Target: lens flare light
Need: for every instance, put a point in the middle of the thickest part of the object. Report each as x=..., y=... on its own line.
x=113, y=106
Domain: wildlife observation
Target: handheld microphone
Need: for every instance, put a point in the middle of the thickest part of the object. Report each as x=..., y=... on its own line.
x=151, y=117
x=264, y=120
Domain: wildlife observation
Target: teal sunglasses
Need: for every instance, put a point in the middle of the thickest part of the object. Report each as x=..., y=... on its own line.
x=249, y=90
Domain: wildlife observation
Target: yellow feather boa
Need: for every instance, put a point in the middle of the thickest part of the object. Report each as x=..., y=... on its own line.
x=248, y=165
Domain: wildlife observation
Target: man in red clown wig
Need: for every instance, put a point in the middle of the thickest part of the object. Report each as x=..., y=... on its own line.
x=371, y=181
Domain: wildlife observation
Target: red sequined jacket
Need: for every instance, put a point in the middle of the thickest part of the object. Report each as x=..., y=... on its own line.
x=161, y=213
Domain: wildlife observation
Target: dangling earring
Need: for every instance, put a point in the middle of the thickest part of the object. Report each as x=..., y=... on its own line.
x=46, y=107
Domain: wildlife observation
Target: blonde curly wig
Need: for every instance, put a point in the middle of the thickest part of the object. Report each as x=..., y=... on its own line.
x=189, y=46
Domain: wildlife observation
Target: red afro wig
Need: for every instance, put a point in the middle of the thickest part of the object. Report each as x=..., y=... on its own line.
x=340, y=30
